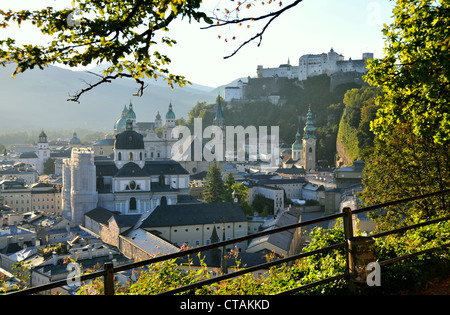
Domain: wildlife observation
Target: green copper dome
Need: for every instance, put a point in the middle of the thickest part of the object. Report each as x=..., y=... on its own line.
x=131, y=114
x=297, y=145
x=120, y=124
x=170, y=114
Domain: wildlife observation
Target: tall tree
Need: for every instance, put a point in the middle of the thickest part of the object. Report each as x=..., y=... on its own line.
x=411, y=154
x=415, y=72
x=228, y=188
x=214, y=188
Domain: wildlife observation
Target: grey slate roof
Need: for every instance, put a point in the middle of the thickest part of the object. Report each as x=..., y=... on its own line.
x=193, y=214
x=28, y=155
x=105, y=168
x=105, y=142
x=168, y=167
x=131, y=170
x=101, y=215
x=108, y=168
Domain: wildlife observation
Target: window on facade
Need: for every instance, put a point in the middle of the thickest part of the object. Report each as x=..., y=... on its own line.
x=130, y=156
x=140, y=156
x=132, y=203
x=119, y=156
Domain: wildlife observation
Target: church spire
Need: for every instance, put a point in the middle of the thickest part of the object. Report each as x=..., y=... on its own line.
x=219, y=120
x=309, y=128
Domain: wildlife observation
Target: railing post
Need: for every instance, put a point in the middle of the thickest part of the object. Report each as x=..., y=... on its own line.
x=108, y=279
x=348, y=223
x=348, y=234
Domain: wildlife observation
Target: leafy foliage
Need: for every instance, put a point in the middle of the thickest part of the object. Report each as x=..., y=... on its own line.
x=120, y=33
x=402, y=166
x=403, y=277
x=411, y=154
x=414, y=73
x=354, y=128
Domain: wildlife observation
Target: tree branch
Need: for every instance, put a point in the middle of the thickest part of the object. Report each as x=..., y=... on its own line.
x=107, y=79
x=251, y=39
x=262, y=17
x=272, y=16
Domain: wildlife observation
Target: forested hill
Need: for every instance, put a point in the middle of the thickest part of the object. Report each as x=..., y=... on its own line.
x=327, y=108
x=354, y=135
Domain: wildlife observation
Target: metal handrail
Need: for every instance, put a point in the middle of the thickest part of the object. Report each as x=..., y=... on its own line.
x=110, y=270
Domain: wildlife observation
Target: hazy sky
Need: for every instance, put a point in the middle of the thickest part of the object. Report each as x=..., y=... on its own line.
x=351, y=27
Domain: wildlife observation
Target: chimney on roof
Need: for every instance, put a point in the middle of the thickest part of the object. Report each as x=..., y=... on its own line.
x=54, y=258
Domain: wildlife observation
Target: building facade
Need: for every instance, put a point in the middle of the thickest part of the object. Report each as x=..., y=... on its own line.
x=129, y=183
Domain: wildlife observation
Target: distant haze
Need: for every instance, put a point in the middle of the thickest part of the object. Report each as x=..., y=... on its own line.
x=37, y=99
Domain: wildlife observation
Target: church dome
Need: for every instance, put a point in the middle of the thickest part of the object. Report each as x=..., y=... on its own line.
x=297, y=145
x=131, y=114
x=120, y=124
x=129, y=139
x=75, y=140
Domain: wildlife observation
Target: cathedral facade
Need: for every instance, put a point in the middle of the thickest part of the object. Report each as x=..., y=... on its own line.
x=137, y=177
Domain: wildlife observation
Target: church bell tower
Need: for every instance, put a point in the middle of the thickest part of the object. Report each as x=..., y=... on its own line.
x=309, y=144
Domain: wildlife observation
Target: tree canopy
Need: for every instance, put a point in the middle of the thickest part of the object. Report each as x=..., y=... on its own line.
x=414, y=74
x=411, y=152
x=123, y=34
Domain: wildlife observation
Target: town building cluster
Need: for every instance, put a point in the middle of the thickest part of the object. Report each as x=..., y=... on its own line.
x=124, y=199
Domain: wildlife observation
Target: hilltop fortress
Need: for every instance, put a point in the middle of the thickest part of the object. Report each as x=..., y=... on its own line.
x=332, y=64
x=312, y=65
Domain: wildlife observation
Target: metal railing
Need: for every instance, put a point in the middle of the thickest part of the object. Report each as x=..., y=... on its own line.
x=109, y=270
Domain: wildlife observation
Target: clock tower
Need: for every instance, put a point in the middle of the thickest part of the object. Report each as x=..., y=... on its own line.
x=309, y=144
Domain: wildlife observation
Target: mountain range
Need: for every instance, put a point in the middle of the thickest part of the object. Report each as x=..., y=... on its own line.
x=37, y=99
